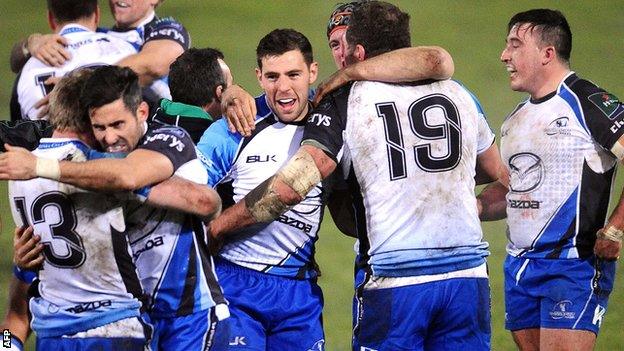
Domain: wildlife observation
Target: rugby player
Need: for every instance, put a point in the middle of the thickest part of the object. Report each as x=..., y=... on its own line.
x=425, y=281
x=560, y=146
x=83, y=241
x=159, y=41
x=75, y=21
x=169, y=247
x=268, y=272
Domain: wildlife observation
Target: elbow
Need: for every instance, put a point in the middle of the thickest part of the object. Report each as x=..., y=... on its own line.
x=441, y=63
x=210, y=205
x=126, y=182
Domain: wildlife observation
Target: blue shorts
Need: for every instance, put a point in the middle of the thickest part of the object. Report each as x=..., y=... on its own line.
x=103, y=344
x=559, y=294
x=190, y=332
x=269, y=312
x=452, y=314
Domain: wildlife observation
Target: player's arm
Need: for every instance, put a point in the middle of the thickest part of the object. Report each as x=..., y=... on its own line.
x=154, y=59
x=183, y=195
x=239, y=109
x=47, y=48
x=402, y=65
x=277, y=194
x=340, y=207
x=140, y=168
x=16, y=318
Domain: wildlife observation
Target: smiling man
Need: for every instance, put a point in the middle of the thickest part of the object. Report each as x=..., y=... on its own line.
x=268, y=272
x=561, y=147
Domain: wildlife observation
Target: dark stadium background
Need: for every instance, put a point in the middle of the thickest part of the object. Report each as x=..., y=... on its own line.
x=472, y=31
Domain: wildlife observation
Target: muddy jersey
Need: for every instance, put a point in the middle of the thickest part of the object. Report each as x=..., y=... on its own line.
x=88, y=277
x=557, y=151
x=285, y=246
x=87, y=49
x=153, y=28
x=169, y=246
x=409, y=154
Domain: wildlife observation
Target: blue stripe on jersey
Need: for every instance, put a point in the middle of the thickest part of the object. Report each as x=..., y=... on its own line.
x=474, y=98
x=568, y=96
x=555, y=229
x=170, y=290
x=217, y=150
x=297, y=263
x=67, y=322
x=45, y=144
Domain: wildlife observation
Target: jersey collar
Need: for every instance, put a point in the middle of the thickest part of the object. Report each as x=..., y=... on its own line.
x=73, y=28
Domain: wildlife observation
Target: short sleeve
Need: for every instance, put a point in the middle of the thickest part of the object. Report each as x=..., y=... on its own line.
x=326, y=123
x=173, y=142
x=170, y=29
x=604, y=114
x=217, y=150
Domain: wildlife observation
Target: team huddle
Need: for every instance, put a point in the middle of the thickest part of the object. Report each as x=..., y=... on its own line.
x=159, y=206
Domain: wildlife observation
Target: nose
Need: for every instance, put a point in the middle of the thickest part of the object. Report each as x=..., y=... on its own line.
x=505, y=55
x=110, y=137
x=282, y=84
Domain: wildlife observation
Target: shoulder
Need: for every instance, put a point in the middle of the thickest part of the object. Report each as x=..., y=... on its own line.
x=167, y=28
x=218, y=134
x=592, y=98
x=172, y=135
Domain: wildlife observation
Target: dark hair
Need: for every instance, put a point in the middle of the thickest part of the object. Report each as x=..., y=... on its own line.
x=66, y=112
x=195, y=75
x=341, y=16
x=280, y=41
x=71, y=10
x=553, y=26
x=379, y=27
x=109, y=83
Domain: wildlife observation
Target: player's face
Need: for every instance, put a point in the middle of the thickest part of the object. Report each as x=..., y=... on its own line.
x=522, y=58
x=130, y=13
x=227, y=74
x=116, y=128
x=286, y=80
x=338, y=46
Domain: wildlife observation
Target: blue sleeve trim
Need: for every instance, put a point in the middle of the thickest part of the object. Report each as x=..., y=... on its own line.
x=217, y=150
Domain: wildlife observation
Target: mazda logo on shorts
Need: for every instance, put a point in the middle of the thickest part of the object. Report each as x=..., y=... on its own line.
x=527, y=172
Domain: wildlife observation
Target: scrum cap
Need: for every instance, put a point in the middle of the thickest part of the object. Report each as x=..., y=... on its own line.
x=341, y=16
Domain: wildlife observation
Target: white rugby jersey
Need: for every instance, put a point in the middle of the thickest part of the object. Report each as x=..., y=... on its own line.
x=169, y=246
x=285, y=246
x=557, y=151
x=87, y=48
x=409, y=153
x=88, y=277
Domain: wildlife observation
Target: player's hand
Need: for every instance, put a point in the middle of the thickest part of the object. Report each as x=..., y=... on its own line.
x=607, y=249
x=214, y=243
x=49, y=49
x=17, y=164
x=239, y=108
x=27, y=249
x=330, y=84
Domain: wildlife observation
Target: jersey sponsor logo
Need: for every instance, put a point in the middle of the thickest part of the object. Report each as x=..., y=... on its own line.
x=607, y=103
x=89, y=306
x=150, y=244
x=169, y=33
x=261, y=158
x=558, y=126
x=320, y=119
x=238, y=341
x=524, y=204
x=616, y=126
x=598, y=315
x=174, y=142
x=527, y=172
x=561, y=310
x=295, y=223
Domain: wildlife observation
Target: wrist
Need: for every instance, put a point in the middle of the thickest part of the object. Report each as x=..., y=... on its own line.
x=48, y=168
x=28, y=45
x=610, y=233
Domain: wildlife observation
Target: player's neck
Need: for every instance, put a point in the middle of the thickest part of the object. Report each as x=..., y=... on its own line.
x=551, y=80
x=87, y=23
x=70, y=134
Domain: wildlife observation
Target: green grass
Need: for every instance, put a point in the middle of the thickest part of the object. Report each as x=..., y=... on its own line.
x=473, y=32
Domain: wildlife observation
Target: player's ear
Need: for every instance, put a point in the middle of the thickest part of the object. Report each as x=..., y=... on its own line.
x=313, y=72
x=142, y=111
x=259, y=76
x=548, y=54
x=359, y=53
x=97, y=15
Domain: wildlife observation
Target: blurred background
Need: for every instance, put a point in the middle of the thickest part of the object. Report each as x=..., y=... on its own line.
x=472, y=31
